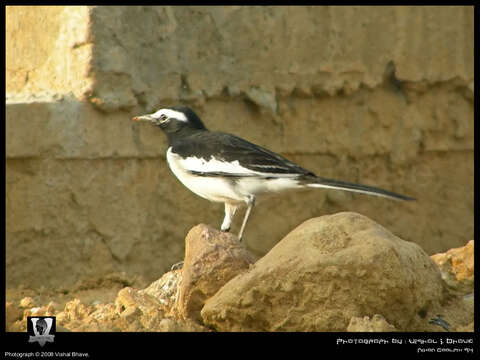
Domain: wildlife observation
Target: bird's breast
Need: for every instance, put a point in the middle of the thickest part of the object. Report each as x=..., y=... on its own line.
x=213, y=188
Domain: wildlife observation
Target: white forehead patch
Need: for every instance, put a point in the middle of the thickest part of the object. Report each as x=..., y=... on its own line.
x=169, y=113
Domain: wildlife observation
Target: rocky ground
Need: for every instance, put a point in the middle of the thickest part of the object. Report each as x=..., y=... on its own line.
x=340, y=272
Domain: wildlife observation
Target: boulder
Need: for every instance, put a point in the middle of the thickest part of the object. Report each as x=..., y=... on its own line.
x=325, y=272
x=212, y=258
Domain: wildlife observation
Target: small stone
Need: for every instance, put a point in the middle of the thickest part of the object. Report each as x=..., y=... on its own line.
x=27, y=302
x=456, y=267
x=38, y=311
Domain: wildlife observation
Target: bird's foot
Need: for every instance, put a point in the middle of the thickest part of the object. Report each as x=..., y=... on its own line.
x=177, y=266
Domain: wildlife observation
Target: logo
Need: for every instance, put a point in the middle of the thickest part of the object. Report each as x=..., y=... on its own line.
x=41, y=329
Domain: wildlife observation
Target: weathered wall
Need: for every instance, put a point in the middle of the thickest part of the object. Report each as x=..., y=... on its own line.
x=381, y=96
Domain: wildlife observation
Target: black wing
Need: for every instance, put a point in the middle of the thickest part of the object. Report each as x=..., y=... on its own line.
x=230, y=148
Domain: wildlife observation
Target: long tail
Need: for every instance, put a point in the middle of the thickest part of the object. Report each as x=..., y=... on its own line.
x=318, y=182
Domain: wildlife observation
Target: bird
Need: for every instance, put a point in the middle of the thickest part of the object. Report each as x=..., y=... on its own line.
x=225, y=168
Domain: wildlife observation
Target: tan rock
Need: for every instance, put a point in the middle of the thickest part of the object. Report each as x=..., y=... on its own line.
x=456, y=267
x=75, y=310
x=325, y=272
x=138, y=311
x=129, y=299
x=27, y=302
x=212, y=258
x=165, y=291
x=366, y=324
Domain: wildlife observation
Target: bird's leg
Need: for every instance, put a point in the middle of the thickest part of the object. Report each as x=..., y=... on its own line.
x=250, y=204
x=229, y=213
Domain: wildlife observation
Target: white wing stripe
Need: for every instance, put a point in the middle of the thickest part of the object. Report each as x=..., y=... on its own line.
x=201, y=165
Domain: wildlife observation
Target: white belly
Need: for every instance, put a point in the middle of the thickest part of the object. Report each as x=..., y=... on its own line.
x=215, y=189
x=221, y=189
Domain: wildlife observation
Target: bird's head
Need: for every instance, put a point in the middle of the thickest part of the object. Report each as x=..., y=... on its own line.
x=173, y=119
